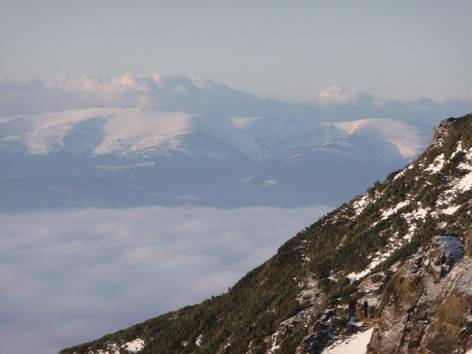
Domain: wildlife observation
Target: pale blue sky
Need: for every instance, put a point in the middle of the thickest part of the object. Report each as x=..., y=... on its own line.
x=284, y=49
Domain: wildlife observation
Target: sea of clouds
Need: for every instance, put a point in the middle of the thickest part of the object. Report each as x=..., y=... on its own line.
x=72, y=276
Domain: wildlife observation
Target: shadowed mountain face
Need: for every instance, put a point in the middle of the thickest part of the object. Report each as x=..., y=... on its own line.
x=120, y=157
x=389, y=271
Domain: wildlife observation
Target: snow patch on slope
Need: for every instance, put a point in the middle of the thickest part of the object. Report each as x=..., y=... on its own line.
x=458, y=185
x=407, y=138
x=124, y=131
x=243, y=122
x=360, y=204
x=140, y=130
x=378, y=258
x=387, y=213
x=134, y=346
x=356, y=344
x=437, y=165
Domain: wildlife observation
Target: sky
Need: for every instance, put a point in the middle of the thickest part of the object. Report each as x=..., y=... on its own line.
x=289, y=50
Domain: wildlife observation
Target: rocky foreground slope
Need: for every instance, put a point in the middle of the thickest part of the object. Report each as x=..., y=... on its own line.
x=392, y=268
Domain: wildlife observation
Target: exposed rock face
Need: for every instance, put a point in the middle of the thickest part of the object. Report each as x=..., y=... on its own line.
x=468, y=243
x=441, y=131
x=428, y=303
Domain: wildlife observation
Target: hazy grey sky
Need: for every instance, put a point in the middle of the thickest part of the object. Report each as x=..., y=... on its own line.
x=286, y=49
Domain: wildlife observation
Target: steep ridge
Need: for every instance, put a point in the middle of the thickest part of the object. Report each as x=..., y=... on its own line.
x=394, y=262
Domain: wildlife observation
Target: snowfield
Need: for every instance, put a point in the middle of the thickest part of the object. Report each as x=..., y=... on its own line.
x=356, y=344
x=142, y=131
x=406, y=138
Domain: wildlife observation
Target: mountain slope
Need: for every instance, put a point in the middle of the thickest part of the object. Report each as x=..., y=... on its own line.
x=374, y=261
x=140, y=132
x=142, y=156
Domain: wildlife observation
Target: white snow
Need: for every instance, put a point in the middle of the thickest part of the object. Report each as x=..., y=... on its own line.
x=417, y=215
x=243, y=122
x=360, y=204
x=437, y=165
x=356, y=276
x=111, y=348
x=399, y=174
x=356, y=344
x=141, y=131
x=274, y=346
x=134, y=346
x=407, y=139
x=378, y=259
x=107, y=130
x=199, y=340
x=465, y=183
x=458, y=185
x=421, y=213
x=451, y=209
x=124, y=167
x=458, y=149
x=396, y=208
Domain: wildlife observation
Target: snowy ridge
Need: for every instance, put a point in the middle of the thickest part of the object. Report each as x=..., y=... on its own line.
x=128, y=132
x=407, y=139
x=98, y=131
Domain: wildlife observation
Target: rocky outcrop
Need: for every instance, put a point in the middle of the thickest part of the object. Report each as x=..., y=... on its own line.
x=428, y=303
x=468, y=243
x=441, y=130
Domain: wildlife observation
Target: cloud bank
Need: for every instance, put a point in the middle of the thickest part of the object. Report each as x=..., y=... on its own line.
x=336, y=94
x=71, y=276
x=180, y=93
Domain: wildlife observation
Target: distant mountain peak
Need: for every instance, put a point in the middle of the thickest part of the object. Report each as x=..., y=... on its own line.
x=143, y=131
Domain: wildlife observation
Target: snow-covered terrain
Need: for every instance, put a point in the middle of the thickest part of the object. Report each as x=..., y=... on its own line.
x=111, y=156
x=95, y=131
x=407, y=139
x=141, y=131
x=356, y=344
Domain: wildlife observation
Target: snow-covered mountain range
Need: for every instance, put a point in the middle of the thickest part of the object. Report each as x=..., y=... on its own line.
x=140, y=132
x=173, y=140
x=85, y=156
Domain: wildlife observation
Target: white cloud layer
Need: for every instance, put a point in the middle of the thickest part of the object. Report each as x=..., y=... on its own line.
x=71, y=276
x=337, y=94
x=180, y=93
